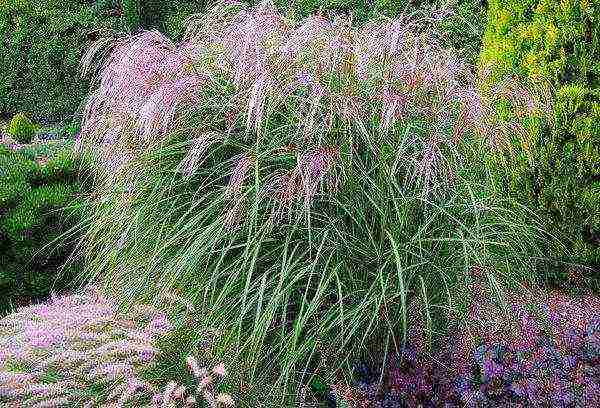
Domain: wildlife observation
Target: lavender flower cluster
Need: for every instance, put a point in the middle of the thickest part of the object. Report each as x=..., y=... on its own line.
x=78, y=351
x=175, y=392
x=52, y=354
x=550, y=358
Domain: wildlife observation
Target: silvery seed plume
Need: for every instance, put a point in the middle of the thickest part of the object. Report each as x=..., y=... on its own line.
x=196, y=154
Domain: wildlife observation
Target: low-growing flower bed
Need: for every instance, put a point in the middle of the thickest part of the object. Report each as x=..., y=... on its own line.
x=544, y=352
x=78, y=350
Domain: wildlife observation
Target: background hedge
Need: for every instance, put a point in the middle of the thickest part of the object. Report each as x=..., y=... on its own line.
x=558, y=168
x=42, y=43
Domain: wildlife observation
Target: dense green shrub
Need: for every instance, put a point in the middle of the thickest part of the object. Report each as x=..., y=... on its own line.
x=153, y=14
x=21, y=128
x=131, y=11
x=35, y=183
x=42, y=43
x=555, y=164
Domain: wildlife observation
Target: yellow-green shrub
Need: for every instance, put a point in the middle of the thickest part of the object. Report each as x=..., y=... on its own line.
x=21, y=128
x=556, y=167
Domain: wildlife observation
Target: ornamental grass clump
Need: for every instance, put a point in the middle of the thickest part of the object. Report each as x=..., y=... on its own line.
x=299, y=181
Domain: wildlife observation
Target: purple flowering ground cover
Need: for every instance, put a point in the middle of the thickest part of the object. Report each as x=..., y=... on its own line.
x=79, y=351
x=544, y=352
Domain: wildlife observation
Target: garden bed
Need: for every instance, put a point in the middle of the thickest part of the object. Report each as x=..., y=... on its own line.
x=324, y=212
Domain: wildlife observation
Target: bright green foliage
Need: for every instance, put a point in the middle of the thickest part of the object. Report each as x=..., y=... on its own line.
x=21, y=128
x=131, y=11
x=548, y=38
x=32, y=194
x=42, y=42
x=556, y=166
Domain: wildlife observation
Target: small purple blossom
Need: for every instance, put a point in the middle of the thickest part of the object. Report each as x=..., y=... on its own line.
x=113, y=370
x=42, y=310
x=43, y=337
x=147, y=355
x=160, y=324
x=77, y=335
x=304, y=78
x=498, y=373
x=492, y=369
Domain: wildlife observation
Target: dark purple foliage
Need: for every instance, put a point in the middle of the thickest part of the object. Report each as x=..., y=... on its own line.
x=557, y=366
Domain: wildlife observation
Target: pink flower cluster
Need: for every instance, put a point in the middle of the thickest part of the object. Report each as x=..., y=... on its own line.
x=175, y=393
x=83, y=339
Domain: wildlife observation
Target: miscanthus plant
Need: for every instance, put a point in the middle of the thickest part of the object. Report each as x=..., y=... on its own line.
x=299, y=182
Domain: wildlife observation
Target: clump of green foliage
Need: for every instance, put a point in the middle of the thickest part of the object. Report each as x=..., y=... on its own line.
x=555, y=167
x=167, y=16
x=131, y=11
x=21, y=128
x=42, y=43
x=38, y=202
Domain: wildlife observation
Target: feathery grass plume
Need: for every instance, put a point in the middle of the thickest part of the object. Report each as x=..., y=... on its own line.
x=529, y=101
x=358, y=182
x=196, y=155
x=176, y=395
x=313, y=167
